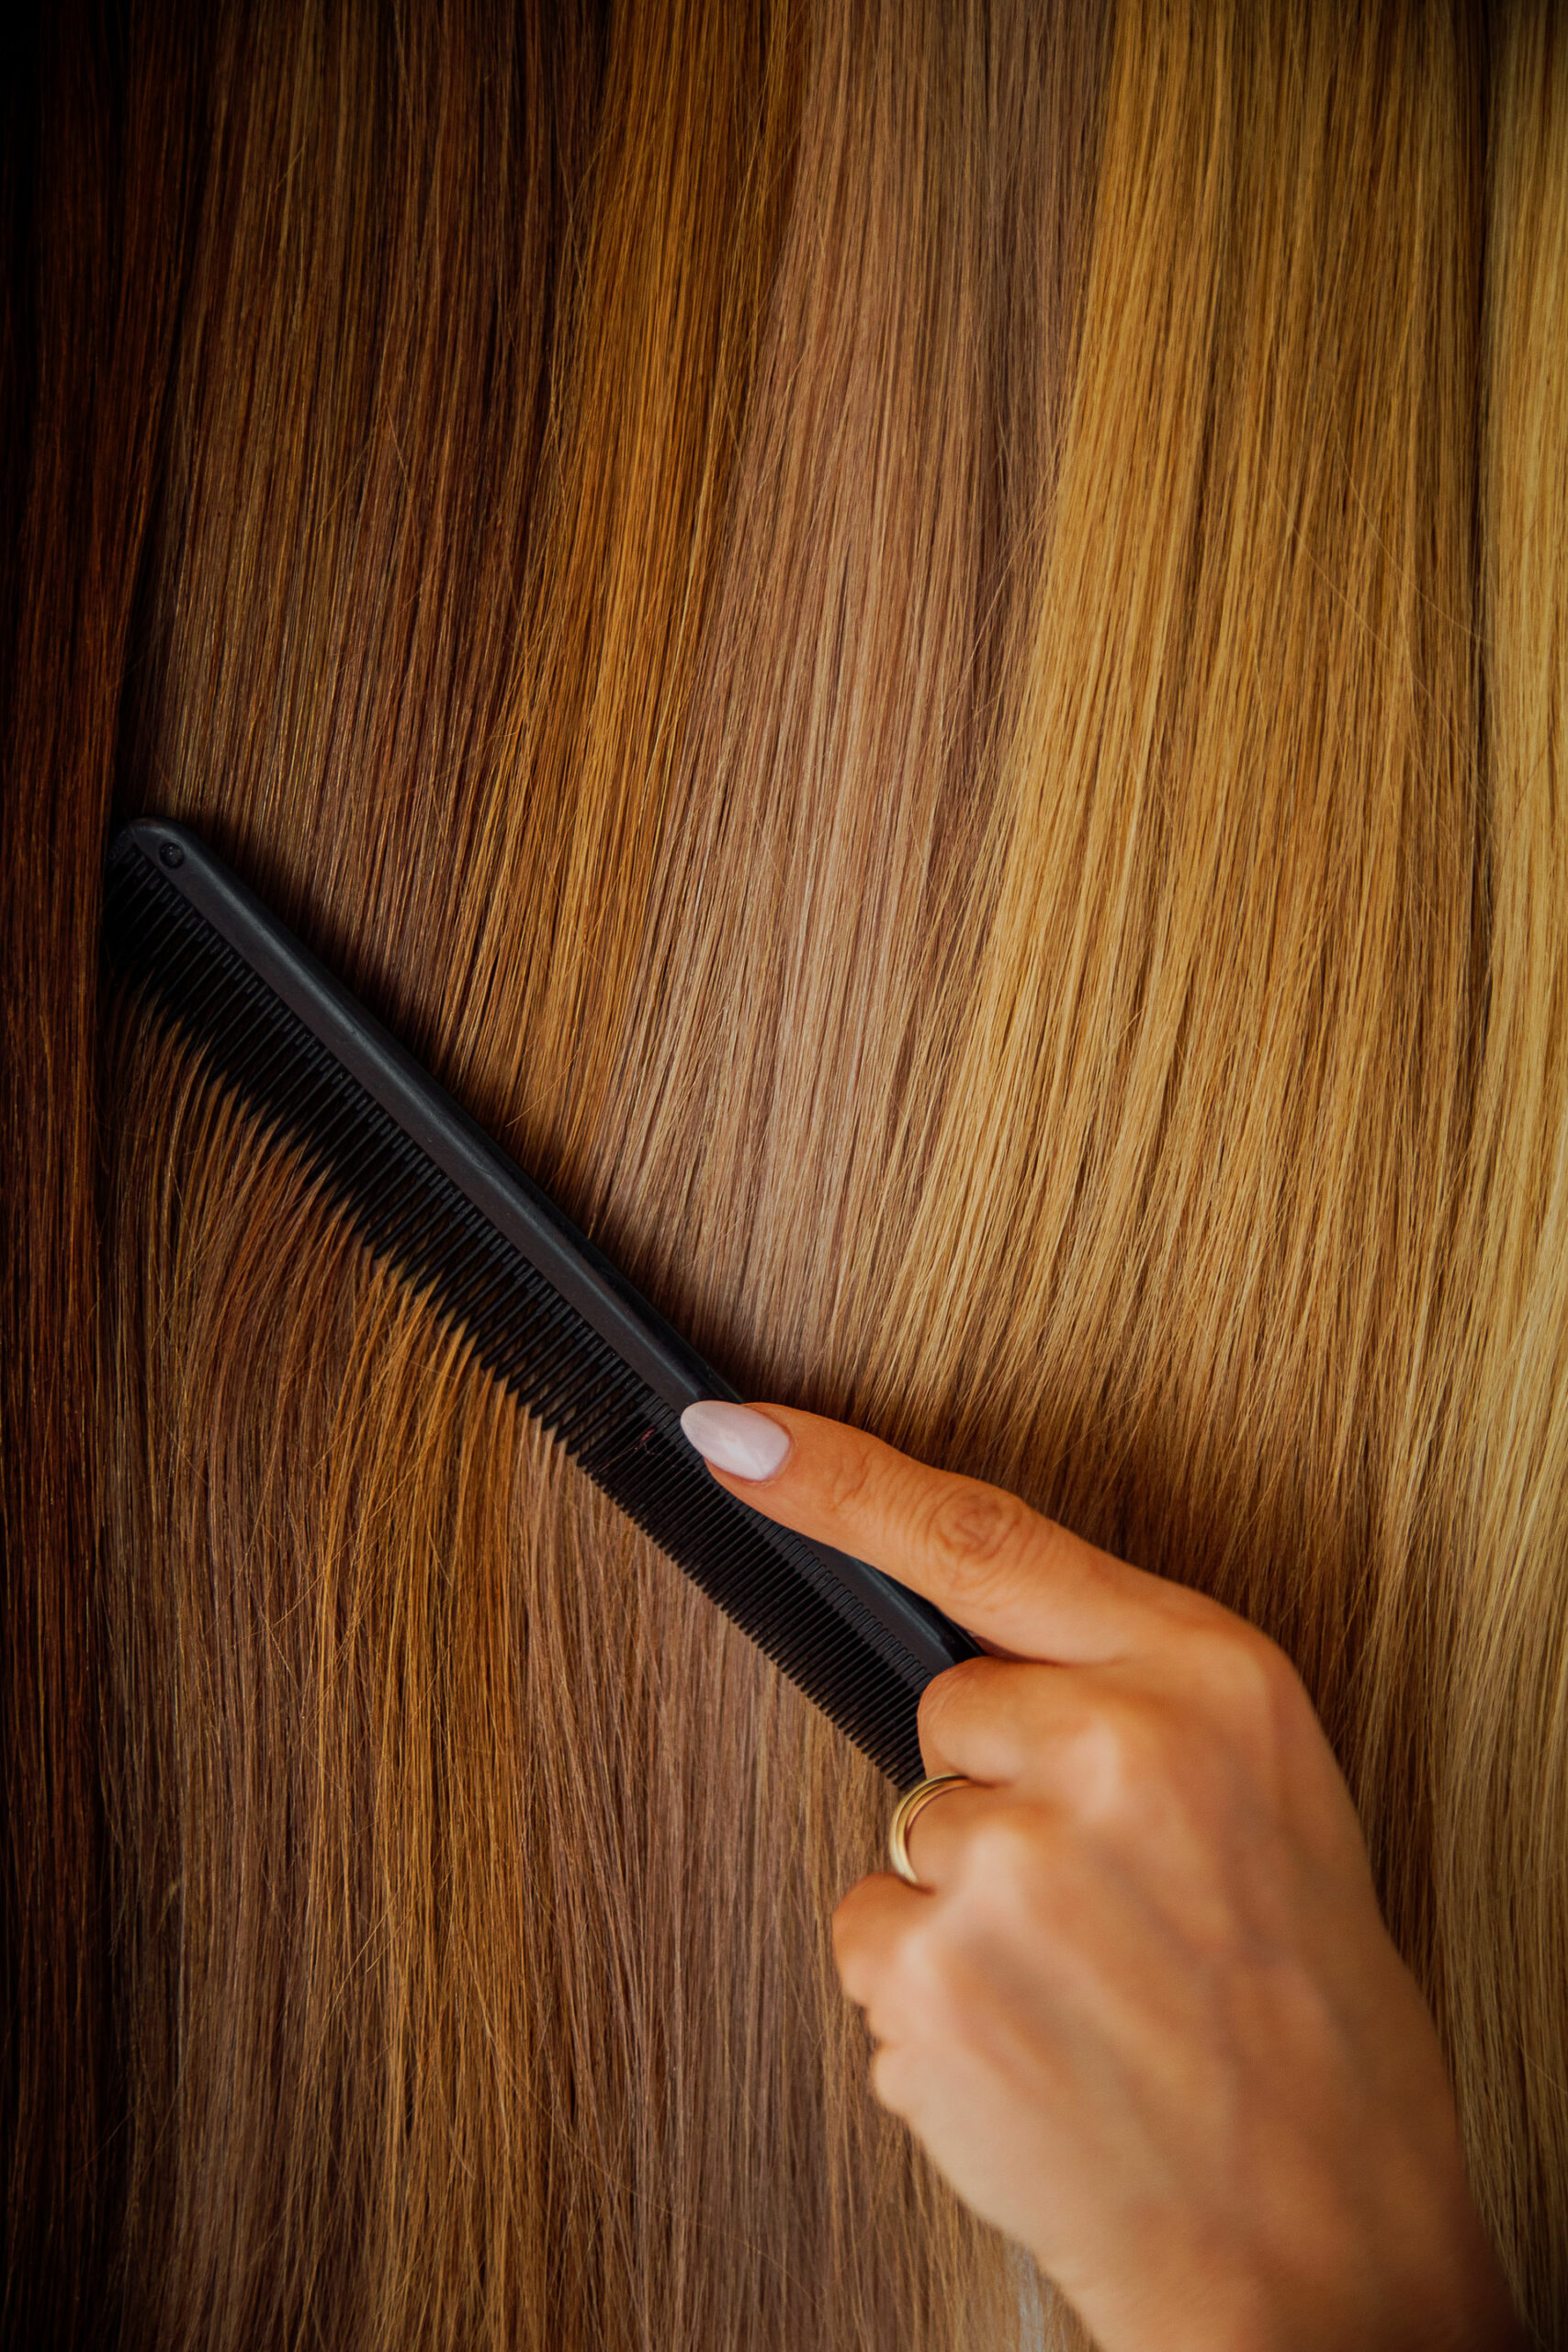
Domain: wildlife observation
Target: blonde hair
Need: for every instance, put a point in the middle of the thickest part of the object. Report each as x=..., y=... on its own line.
x=923, y=651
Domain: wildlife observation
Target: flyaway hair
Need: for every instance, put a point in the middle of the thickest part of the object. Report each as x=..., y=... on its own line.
x=923, y=651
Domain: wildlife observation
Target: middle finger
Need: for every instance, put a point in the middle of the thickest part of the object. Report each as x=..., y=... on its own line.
x=990, y=1717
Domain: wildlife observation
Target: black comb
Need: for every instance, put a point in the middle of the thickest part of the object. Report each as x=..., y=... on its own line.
x=543, y=1309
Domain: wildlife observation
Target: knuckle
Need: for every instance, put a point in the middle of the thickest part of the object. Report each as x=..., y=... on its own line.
x=851, y=1477
x=1011, y=1854
x=903, y=1992
x=904, y=1977
x=918, y=1958
x=854, y=1954
x=841, y=1929
x=925, y=1993
x=949, y=1699
x=1254, y=1681
x=978, y=1535
x=891, y=2079
x=1124, y=1748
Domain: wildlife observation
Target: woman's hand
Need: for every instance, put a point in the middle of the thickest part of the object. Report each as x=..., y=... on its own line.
x=1142, y=2011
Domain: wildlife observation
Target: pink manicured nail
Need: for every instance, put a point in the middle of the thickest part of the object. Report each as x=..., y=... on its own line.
x=735, y=1439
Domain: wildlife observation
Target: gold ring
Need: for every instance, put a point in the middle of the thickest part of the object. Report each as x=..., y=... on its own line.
x=904, y=1814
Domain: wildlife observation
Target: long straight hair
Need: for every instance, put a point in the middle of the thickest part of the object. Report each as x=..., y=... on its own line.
x=924, y=649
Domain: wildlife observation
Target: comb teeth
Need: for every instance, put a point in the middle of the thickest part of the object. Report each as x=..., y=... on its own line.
x=411, y=1213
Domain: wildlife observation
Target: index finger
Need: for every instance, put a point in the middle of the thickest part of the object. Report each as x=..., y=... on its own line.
x=987, y=1560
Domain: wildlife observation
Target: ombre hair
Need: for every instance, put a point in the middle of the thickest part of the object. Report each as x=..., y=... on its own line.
x=923, y=649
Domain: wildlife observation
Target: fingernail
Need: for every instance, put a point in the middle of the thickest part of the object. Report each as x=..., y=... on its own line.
x=735, y=1439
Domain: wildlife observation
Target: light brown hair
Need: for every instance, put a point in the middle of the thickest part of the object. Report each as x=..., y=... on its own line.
x=922, y=649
